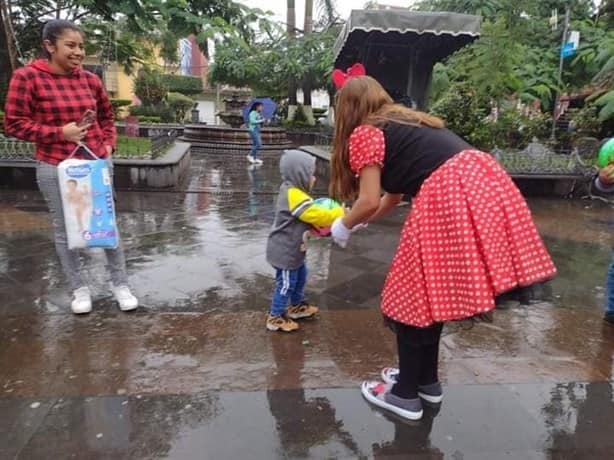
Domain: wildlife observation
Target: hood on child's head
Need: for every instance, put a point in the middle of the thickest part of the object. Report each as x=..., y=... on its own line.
x=297, y=168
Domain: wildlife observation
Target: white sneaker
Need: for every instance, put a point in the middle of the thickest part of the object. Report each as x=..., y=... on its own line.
x=251, y=159
x=82, y=301
x=124, y=298
x=258, y=161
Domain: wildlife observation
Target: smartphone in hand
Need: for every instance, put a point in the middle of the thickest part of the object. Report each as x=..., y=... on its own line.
x=88, y=118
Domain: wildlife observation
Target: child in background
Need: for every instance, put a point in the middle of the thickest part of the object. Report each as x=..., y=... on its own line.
x=295, y=215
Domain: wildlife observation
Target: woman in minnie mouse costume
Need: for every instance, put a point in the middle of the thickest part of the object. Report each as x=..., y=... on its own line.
x=468, y=238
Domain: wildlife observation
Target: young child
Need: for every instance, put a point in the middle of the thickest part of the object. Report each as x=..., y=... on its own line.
x=295, y=215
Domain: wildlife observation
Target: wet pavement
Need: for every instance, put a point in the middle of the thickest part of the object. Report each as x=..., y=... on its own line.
x=194, y=374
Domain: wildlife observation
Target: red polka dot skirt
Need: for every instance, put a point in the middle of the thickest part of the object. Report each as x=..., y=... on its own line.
x=468, y=238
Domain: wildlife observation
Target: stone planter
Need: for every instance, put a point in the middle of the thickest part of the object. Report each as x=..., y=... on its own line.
x=165, y=171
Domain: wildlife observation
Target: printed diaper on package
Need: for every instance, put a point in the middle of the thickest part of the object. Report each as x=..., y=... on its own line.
x=87, y=200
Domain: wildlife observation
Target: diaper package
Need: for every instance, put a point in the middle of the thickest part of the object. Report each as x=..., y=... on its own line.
x=87, y=200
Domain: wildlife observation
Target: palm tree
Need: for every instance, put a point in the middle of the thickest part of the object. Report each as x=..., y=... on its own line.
x=307, y=109
x=9, y=35
x=326, y=8
x=291, y=29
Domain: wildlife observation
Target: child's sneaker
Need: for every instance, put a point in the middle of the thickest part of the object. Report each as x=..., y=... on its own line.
x=251, y=159
x=280, y=323
x=302, y=310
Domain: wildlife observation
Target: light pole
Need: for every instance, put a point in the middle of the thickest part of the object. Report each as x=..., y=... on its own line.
x=560, y=75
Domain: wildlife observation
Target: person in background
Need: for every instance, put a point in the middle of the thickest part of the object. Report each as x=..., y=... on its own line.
x=255, y=125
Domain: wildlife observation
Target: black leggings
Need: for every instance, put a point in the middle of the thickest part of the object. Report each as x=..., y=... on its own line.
x=418, y=349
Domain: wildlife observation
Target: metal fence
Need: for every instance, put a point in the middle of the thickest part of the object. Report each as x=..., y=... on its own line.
x=157, y=143
x=535, y=160
x=14, y=150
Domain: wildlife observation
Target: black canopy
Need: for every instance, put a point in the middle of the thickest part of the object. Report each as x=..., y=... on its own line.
x=399, y=47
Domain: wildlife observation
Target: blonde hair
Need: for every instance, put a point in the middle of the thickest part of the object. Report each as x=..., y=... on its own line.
x=362, y=100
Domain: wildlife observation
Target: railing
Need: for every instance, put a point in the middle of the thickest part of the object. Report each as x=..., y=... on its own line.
x=15, y=150
x=161, y=140
x=527, y=163
x=156, y=144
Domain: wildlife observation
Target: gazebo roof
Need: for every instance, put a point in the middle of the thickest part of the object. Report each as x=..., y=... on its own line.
x=443, y=33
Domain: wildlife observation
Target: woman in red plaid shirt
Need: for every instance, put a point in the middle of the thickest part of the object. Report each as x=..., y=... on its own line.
x=58, y=105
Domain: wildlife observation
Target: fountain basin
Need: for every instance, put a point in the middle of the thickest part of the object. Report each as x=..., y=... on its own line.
x=215, y=139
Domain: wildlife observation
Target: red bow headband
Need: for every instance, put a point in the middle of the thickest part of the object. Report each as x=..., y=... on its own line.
x=340, y=77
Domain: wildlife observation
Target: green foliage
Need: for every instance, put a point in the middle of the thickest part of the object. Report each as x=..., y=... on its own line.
x=1, y=121
x=161, y=111
x=585, y=120
x=605, y=102
x=146, y=119
x=117, y=104
x=517, y=59
x=183, y=84
x=180, y=105
x=440, y=82
x=132, y=147
x=150, y=88
x=267, y=65
x=514, y=130
x=128, y=31
x=462, y=110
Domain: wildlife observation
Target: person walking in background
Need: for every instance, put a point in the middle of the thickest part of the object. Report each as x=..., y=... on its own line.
x=47, y=103
x=255, y=125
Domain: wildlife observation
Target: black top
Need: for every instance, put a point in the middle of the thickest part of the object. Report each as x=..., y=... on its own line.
x=412, y=154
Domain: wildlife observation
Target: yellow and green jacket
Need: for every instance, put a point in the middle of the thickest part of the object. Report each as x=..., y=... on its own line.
x=295, y=212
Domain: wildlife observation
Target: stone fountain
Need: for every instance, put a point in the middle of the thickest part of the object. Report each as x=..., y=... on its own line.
x=232, y=136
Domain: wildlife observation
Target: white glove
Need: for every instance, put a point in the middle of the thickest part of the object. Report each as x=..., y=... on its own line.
x=340, y=233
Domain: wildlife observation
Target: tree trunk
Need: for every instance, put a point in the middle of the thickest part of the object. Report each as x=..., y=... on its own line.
x=9, y=35
x=307, y=108
x=292, y=85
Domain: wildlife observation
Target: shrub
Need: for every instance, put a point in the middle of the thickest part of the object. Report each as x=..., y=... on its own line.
x=1, y=121
x=463, y=112
x=150, y=88
x=161, y=111
x=146, y=119
x=586, y=121
x=183, y=84
x=180, y=105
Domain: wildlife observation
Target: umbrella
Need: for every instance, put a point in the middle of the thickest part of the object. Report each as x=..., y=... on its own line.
x=268, y=107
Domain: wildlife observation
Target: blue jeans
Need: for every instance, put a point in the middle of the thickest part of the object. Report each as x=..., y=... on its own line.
x=609, y=300
x=255, y=134
x=289, y=285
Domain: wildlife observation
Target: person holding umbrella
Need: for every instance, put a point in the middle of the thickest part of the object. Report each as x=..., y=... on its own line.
x=254, y=124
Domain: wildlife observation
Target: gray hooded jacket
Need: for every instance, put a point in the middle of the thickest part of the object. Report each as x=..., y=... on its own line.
x=285, y=246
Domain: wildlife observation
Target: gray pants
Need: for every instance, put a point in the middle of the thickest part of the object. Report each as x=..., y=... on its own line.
x=47, y=178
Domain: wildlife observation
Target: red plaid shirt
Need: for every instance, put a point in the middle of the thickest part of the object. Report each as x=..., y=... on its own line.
x=40, y=102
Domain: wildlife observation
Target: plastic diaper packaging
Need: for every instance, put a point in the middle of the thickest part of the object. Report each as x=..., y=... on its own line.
x=87, y=200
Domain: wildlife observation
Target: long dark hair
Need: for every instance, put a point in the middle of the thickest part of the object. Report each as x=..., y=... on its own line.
x=362, y=100
x=53, y=29
x=255, y=105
